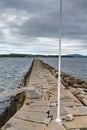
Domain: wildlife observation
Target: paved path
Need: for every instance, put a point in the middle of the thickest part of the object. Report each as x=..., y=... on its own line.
x=40, y=114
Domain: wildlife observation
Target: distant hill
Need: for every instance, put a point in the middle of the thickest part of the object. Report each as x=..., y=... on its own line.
x=76, y=55
x=48, y=56
x=13, y=55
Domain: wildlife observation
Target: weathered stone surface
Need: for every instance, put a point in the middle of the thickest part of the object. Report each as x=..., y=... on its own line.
x=84, y=101
x=76, y=85
x=35, y=108
x=77, y=111
x=76, y=91
x=55, y=126
x=39, y=117
x=62, y=86
x=44, y=90
x=31, y=92
x=18, y=124
x=81, y=96
x=53, y=90
x=53, y=112
x=47, y=121
x=42, y=102
x=13, y=104
x=53, y=104
x=46, y=96
x=70, y=103
x=29, y=101
x=67, y=94
x=53, y=98
x=78, y=122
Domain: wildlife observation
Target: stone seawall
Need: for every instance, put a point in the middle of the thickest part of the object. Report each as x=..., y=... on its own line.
x=66, y=79
x=14, y=106
x=27, y=76
x=40, y=114
x=78, y=87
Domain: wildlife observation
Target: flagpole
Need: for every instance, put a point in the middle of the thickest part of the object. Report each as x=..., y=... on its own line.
x=58, y=119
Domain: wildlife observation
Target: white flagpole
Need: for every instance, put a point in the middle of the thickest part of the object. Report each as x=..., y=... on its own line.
x=58, y=119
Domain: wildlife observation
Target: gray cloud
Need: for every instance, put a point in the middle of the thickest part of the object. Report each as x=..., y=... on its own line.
x=45, y=17
x=40, y=26
x=44, y=20
x=74, y=19
x=23, y=22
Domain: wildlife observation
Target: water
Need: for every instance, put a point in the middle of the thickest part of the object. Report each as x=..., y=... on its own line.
x=74, y=66
x=12, y=71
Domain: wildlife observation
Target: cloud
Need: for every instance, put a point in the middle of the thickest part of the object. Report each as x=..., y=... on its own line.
x=74, y=19
x=30, y=25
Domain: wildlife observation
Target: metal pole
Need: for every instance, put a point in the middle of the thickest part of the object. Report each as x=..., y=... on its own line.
x=58, y=119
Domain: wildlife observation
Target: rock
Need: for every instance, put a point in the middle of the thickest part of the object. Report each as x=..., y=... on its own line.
x=16, y=103
x=64, y=83
x=56, y=76
x=8, y=125
x=84, y=101
x=79, y=122
x=76, y=85
x=84, y=85
x=53, y=104
x=46, y=96
x=79, y=81
x=82, y=92
x=72, y=90
x=81, y=97
x=69, y=79
x=69, y=117
x=47, y=121
x=76, y=92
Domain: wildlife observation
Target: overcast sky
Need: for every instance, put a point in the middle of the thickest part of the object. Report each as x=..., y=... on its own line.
x=32, y=26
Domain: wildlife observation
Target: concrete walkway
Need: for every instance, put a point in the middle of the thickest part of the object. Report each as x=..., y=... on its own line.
x=40, y=113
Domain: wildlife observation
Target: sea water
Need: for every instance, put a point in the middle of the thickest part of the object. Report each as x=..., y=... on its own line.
x=12, y=70
x=74, y=66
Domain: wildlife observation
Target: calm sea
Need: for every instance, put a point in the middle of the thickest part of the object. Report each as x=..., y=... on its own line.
x=74, y=66
x=12, y=71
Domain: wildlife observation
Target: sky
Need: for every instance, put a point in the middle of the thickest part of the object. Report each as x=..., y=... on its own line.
x=32, y=27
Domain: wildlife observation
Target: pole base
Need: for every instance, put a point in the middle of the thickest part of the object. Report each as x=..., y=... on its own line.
x=58, y=120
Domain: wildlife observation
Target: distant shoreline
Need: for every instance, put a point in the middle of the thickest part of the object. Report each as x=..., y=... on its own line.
x=41, y=56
